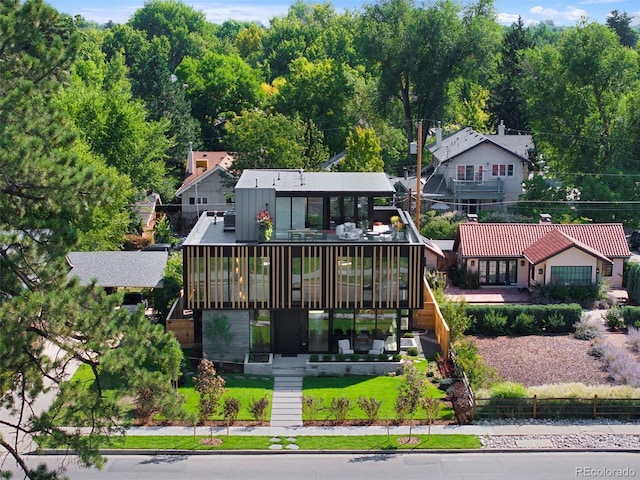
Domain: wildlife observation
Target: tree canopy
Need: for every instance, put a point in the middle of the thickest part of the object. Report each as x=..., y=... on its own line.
x=51, y=189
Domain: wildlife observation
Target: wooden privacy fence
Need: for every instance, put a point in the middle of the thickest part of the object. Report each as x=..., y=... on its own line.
x=622, y=408
x=429, y=317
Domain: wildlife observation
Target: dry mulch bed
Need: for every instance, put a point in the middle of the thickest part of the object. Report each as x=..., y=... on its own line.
x=533, y=360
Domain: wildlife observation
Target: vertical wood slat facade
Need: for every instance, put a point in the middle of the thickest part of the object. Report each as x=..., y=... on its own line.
x=330, y=276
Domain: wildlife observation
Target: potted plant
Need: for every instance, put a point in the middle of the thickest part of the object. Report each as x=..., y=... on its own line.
x=265, y=226
x=398, y=227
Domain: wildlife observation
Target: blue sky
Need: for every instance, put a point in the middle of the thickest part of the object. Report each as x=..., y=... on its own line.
x=532, y=11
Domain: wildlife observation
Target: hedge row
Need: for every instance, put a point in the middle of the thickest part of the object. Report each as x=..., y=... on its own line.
x=633, y=282
x=631, y=316
x=522, y=319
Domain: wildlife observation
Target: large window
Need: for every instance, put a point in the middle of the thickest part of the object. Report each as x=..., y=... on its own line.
x=470, y=173
x=362, y=327
x=571, y=275
x=318, y=330
x=501, y=170
x=260, y=331
x=259, y=285
x=290, y=214
x=498, y=272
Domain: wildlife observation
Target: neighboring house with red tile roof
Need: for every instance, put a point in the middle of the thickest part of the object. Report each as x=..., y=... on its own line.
x=472, y=171
x=532, y=254
x=205, y=188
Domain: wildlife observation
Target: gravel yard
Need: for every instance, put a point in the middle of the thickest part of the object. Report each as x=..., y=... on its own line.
x=542, y=359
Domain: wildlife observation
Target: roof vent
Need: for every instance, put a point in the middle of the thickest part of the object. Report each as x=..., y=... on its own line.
x=545, y=218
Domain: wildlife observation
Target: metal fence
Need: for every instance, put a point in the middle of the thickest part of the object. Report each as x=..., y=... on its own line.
x=552, y=408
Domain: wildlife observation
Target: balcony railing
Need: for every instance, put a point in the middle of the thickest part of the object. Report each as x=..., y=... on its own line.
x=330, y=236
x=489, y=189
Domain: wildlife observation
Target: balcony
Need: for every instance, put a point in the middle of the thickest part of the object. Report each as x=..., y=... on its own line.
x=471, y=189
x=376, y=234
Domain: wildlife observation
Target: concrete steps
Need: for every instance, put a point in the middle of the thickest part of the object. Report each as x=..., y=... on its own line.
x=286, y=410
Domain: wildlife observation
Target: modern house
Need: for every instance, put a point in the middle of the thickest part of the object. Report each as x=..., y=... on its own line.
x=332, y=268
x=538, y=254
x=206, y=185
x=472, y=171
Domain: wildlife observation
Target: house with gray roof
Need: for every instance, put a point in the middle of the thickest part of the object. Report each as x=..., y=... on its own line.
x=471, y=171
x=113, y=270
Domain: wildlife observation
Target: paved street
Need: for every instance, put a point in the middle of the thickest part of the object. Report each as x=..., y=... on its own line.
x=408, y=466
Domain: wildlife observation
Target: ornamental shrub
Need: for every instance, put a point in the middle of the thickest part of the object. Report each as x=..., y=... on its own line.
x=631, y=315
x=339, y=408
x=370, y=407
x=258, y=408
x=614, y=318
x=310, y=407
x=555, y=323
x=525, y=324
x=495, y=323
x=588, y=329
x=508, y=390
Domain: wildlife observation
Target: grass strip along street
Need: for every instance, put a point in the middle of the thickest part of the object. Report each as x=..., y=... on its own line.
x=305, y=443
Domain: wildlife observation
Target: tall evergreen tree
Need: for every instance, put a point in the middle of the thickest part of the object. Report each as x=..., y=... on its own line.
x=50, y=188
x=621, y=24
x=505, y=101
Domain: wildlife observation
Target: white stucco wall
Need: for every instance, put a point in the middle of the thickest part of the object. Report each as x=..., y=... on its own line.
x=570, y=258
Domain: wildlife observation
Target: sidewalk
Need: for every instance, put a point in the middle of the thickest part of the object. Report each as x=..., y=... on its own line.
x=480, y=430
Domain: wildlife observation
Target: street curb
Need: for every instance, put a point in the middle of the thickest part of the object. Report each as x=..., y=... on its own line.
x=186, y=453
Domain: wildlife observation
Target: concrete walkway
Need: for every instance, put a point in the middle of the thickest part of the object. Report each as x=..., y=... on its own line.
x=286, y=409
x=480, y=430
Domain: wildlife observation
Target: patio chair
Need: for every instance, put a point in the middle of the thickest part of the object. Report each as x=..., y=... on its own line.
x=344, y=347
x=377, y=347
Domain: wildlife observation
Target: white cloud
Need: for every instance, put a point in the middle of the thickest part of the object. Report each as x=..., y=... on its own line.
x=243, y=13
x=104, y=15
x=508, y=18
x=570, y=14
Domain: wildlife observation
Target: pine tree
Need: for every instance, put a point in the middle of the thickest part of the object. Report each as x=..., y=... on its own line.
x=50, y=187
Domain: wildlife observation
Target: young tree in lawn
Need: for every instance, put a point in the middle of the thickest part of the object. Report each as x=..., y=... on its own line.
x=210, y=386
x=411, y=391
x=431, y=407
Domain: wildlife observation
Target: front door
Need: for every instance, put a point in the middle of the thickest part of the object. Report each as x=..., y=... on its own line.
x=290, y=334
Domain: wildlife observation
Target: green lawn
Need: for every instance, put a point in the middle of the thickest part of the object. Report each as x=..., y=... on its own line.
x=318, y=443
x=382, y=388
x=245, y=388
x=242, y=387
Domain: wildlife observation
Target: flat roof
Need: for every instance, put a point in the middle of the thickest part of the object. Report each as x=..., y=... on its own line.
x=292, y=181
x=135, y=269
x=209, y=230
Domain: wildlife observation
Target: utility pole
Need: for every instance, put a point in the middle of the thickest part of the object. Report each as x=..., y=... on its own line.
x=419, y=175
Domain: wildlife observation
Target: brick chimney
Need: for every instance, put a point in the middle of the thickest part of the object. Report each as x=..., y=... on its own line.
x=501, y=128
